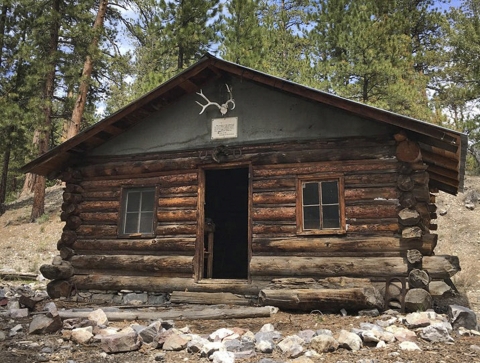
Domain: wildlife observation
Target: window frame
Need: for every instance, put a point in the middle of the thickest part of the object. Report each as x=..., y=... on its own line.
x=301, y=180
x=123, y=211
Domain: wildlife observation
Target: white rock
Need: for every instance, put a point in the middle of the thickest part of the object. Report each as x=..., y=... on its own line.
x=264, y=346
x=267, y=328
x=220, y=334
x=349, y=340
x=409, y=346
x=223, y=357
x=82, y=335
x=98, y=316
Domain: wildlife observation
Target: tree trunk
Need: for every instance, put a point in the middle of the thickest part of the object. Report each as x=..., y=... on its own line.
x=5, y=164
x=79, y=107
x=41, y=136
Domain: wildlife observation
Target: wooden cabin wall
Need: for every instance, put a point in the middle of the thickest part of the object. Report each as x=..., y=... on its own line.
x=373, y=200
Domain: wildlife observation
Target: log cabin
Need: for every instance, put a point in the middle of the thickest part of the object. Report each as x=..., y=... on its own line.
x=224, y=179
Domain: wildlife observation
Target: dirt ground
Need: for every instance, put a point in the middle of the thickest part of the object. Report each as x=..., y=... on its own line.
x=24, y=247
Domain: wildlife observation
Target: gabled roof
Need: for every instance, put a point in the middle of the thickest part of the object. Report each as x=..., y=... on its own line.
x=442, y=149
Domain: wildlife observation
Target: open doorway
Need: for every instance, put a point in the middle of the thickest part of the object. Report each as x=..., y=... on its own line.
x=226, y=207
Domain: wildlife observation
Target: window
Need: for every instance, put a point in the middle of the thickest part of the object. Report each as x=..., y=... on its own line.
x=138, y=206
x=321, y=207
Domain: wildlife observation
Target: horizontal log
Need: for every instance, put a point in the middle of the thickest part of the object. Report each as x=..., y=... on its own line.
x=100, y=206
x=186, y=190
x=274, y=214
x=211, y=313
x=101, y=195
x=161, y=284
x=325, y=167
x=371, y=193
x=274, y=184
x=188, y=178
x=139, y=167
x=139, y=263
x=369, y=226
x=99, y=217
x=372, y=179
x=322, y=245
x=371, y=211
x=97, y=231
x=282, y=197
x=439, y=267
x=180, y=245
x=324, y=300
x=176, y=215
x=274, y=229
x=178, y=202
x=209, y=298
x=176, y=229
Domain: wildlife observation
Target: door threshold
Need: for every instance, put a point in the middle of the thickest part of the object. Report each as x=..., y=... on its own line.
x=223, y=281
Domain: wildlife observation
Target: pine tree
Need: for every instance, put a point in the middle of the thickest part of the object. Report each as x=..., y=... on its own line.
x=242, y=40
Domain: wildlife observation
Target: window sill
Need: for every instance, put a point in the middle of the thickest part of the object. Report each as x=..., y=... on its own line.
x=322, y=232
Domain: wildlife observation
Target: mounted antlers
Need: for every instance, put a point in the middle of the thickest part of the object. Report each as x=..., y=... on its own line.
x=223, y=108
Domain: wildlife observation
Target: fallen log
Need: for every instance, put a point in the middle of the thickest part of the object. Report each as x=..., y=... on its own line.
x=209, y=298
x=325, y=300
x=172, y=314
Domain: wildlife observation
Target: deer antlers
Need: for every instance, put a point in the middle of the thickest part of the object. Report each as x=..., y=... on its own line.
x=223, y=107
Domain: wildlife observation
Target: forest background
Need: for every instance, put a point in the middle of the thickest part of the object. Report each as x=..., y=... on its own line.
x=64, y=65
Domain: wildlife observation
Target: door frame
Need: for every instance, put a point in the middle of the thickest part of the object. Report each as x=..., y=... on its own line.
x=199, y=258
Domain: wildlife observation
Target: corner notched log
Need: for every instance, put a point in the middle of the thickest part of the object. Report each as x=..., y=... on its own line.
x=325, y=300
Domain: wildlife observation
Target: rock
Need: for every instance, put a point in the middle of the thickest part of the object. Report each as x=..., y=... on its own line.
x=470, y=206
x=435, y=333
x=385, y=323
x=417, y=320
x=99, y=317
x=159, y=357
x=51, y=309
x=267, y=328
x=475, y=348
x=402, y=334
x=306, y=335
x=268, y=335
x=18, y=313
x=42, y=324
x=82, y=335
x=211, y=347
x=442, y=211
x=124, y=341
x=265, y=346
x=417, y=300
x=349, y=340
x=175, y=342
x=460, y=316
x=409, y=346
x=233, y=345
x=369, y=312
x=223, y=357
x=196, y=344
x=15, y=330
x=324, y=343
x=220, y=334
x=135, y=299
x=291, y=346
x=147, y=334
x=302, y=359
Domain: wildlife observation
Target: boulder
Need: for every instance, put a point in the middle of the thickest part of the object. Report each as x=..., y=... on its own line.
x=42, y=324
x=124, y=341
x=349, y=340
x=82, y=335
x=461, y=316
x=324, y=343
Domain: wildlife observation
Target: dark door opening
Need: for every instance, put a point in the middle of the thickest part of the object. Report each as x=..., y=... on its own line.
x=226, y=205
